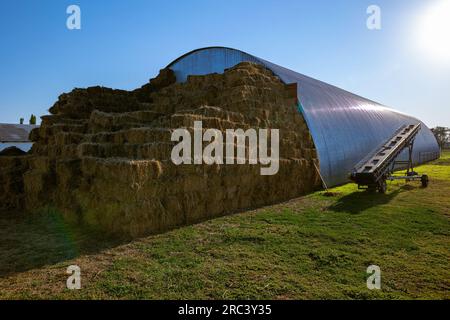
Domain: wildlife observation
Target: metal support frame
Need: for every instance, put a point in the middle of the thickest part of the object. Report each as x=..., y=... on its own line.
x=409, y=163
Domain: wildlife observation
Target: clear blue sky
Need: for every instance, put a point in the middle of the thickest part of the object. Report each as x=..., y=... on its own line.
x=123, y=43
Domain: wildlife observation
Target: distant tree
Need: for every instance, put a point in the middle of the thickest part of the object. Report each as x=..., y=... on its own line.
x=21, y=120
x=33, y=119
x=442, y=135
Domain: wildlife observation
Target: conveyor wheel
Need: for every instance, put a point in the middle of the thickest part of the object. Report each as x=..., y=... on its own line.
x=424, y=180
x=382, y=187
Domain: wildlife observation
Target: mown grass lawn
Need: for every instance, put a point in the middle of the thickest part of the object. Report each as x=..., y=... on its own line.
x=314, y=247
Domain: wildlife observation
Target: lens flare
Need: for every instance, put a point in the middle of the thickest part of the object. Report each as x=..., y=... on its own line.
x=434, y=32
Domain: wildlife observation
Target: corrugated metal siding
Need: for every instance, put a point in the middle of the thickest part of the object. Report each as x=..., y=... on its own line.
x=344, y=126
x=211, y=60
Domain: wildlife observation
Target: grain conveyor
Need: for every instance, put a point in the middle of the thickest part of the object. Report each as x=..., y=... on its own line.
x=372, y=172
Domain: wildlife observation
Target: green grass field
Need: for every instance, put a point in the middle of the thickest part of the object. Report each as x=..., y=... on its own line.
x=313, y=247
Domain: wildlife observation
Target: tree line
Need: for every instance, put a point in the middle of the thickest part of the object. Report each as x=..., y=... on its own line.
x=442, y=135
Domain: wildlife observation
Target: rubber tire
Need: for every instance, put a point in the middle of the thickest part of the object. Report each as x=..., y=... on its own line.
x=382, y=188
x=424, y=181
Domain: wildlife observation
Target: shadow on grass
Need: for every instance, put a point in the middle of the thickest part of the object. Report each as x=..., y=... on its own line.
x=358, y=201
x=442, y=164
x=444, y=160
x=32, y=241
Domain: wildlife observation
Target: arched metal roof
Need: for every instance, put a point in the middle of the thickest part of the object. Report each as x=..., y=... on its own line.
x=345, y=127
x=10, y=132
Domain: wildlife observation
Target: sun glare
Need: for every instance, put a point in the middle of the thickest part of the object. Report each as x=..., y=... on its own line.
x=434, y=32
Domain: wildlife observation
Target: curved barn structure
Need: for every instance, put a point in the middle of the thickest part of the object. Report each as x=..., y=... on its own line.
x=345, y=127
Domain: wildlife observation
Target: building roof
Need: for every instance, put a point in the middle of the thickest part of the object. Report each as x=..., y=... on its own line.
x=15, y=132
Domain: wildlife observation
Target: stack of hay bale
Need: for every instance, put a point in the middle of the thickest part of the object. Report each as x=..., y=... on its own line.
x=103, y=156
x=11, y=181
